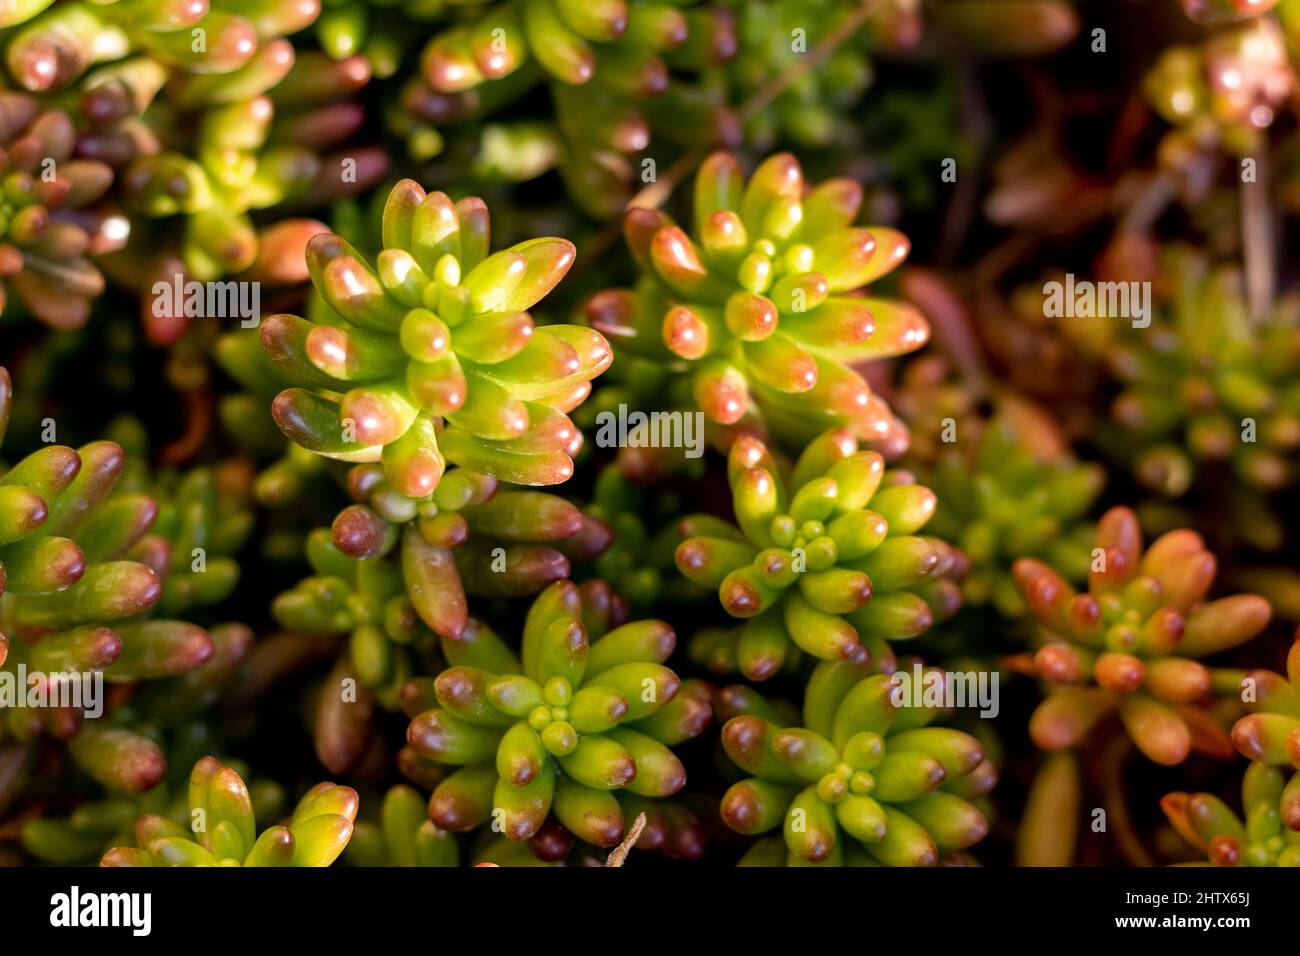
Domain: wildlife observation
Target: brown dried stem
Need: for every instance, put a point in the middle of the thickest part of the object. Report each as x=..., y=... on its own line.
x=618, y=856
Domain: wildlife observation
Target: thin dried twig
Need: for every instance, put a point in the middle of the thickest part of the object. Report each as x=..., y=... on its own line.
x=618, y=856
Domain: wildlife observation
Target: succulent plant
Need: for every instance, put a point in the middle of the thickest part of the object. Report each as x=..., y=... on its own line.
x=760, y=305
x=1269, y=835
x=403, y=836
x=367, y=600
x=1204, y=384
x=223, y=829
x=224, y=147
x=45, y=230
x=73, y=598
x=582, y=718
x=999, y=500
x=402, y=444
x=1132, y=642
x=1223, y=93
x=824, y=558
x=472, y=535
x=96, y=826
x=620, y=75
x=433, y=358
x=48, y=49
x=639, y=564
x=865, y=780
x=1271, y=732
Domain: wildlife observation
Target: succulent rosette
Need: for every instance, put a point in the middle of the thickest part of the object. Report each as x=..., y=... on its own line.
x=223, y=827
x=217, y=151
x=1204, y=384
x=619, y=74
x=1001, y=501
x=1269, y=834
x=763, y=307
x=1132, y=642
x=824, y=558
x=46, y=233
x=578, y=722
x=94, y=827
x=49, y=49
x=77, y=566
x=1271, y=731
x=865, y=781
x=431, y=356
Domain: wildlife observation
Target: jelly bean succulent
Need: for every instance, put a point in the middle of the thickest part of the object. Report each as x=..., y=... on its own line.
x=1224, y=92
x=582, y=718
x=430, y=356
x=1132, y=642
x=762, y=305
x=403, y=835
x=1001, y=500
x=1205, y=384
x=97, y=826
x=620, y=75
x=223, y=148
x=824, y=558
x=320, y=470
x=865, y=780
x=1271, y=732
x=45, y=230
x=1269, y=834
x=366, y=600
x=222, y=828
x=77, y=577
x=470, y=535
x=49, y=49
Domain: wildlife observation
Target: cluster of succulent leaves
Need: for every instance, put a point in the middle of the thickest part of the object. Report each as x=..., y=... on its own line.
x=1204, y=383
x=474, y=612
x=864, y=781
x=1133, y=640
x=1268, y=836
x=825, y=560
x=222, y=828
x=579, y=723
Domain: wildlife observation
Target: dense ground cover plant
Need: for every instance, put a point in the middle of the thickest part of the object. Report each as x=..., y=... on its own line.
x=765, y=480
